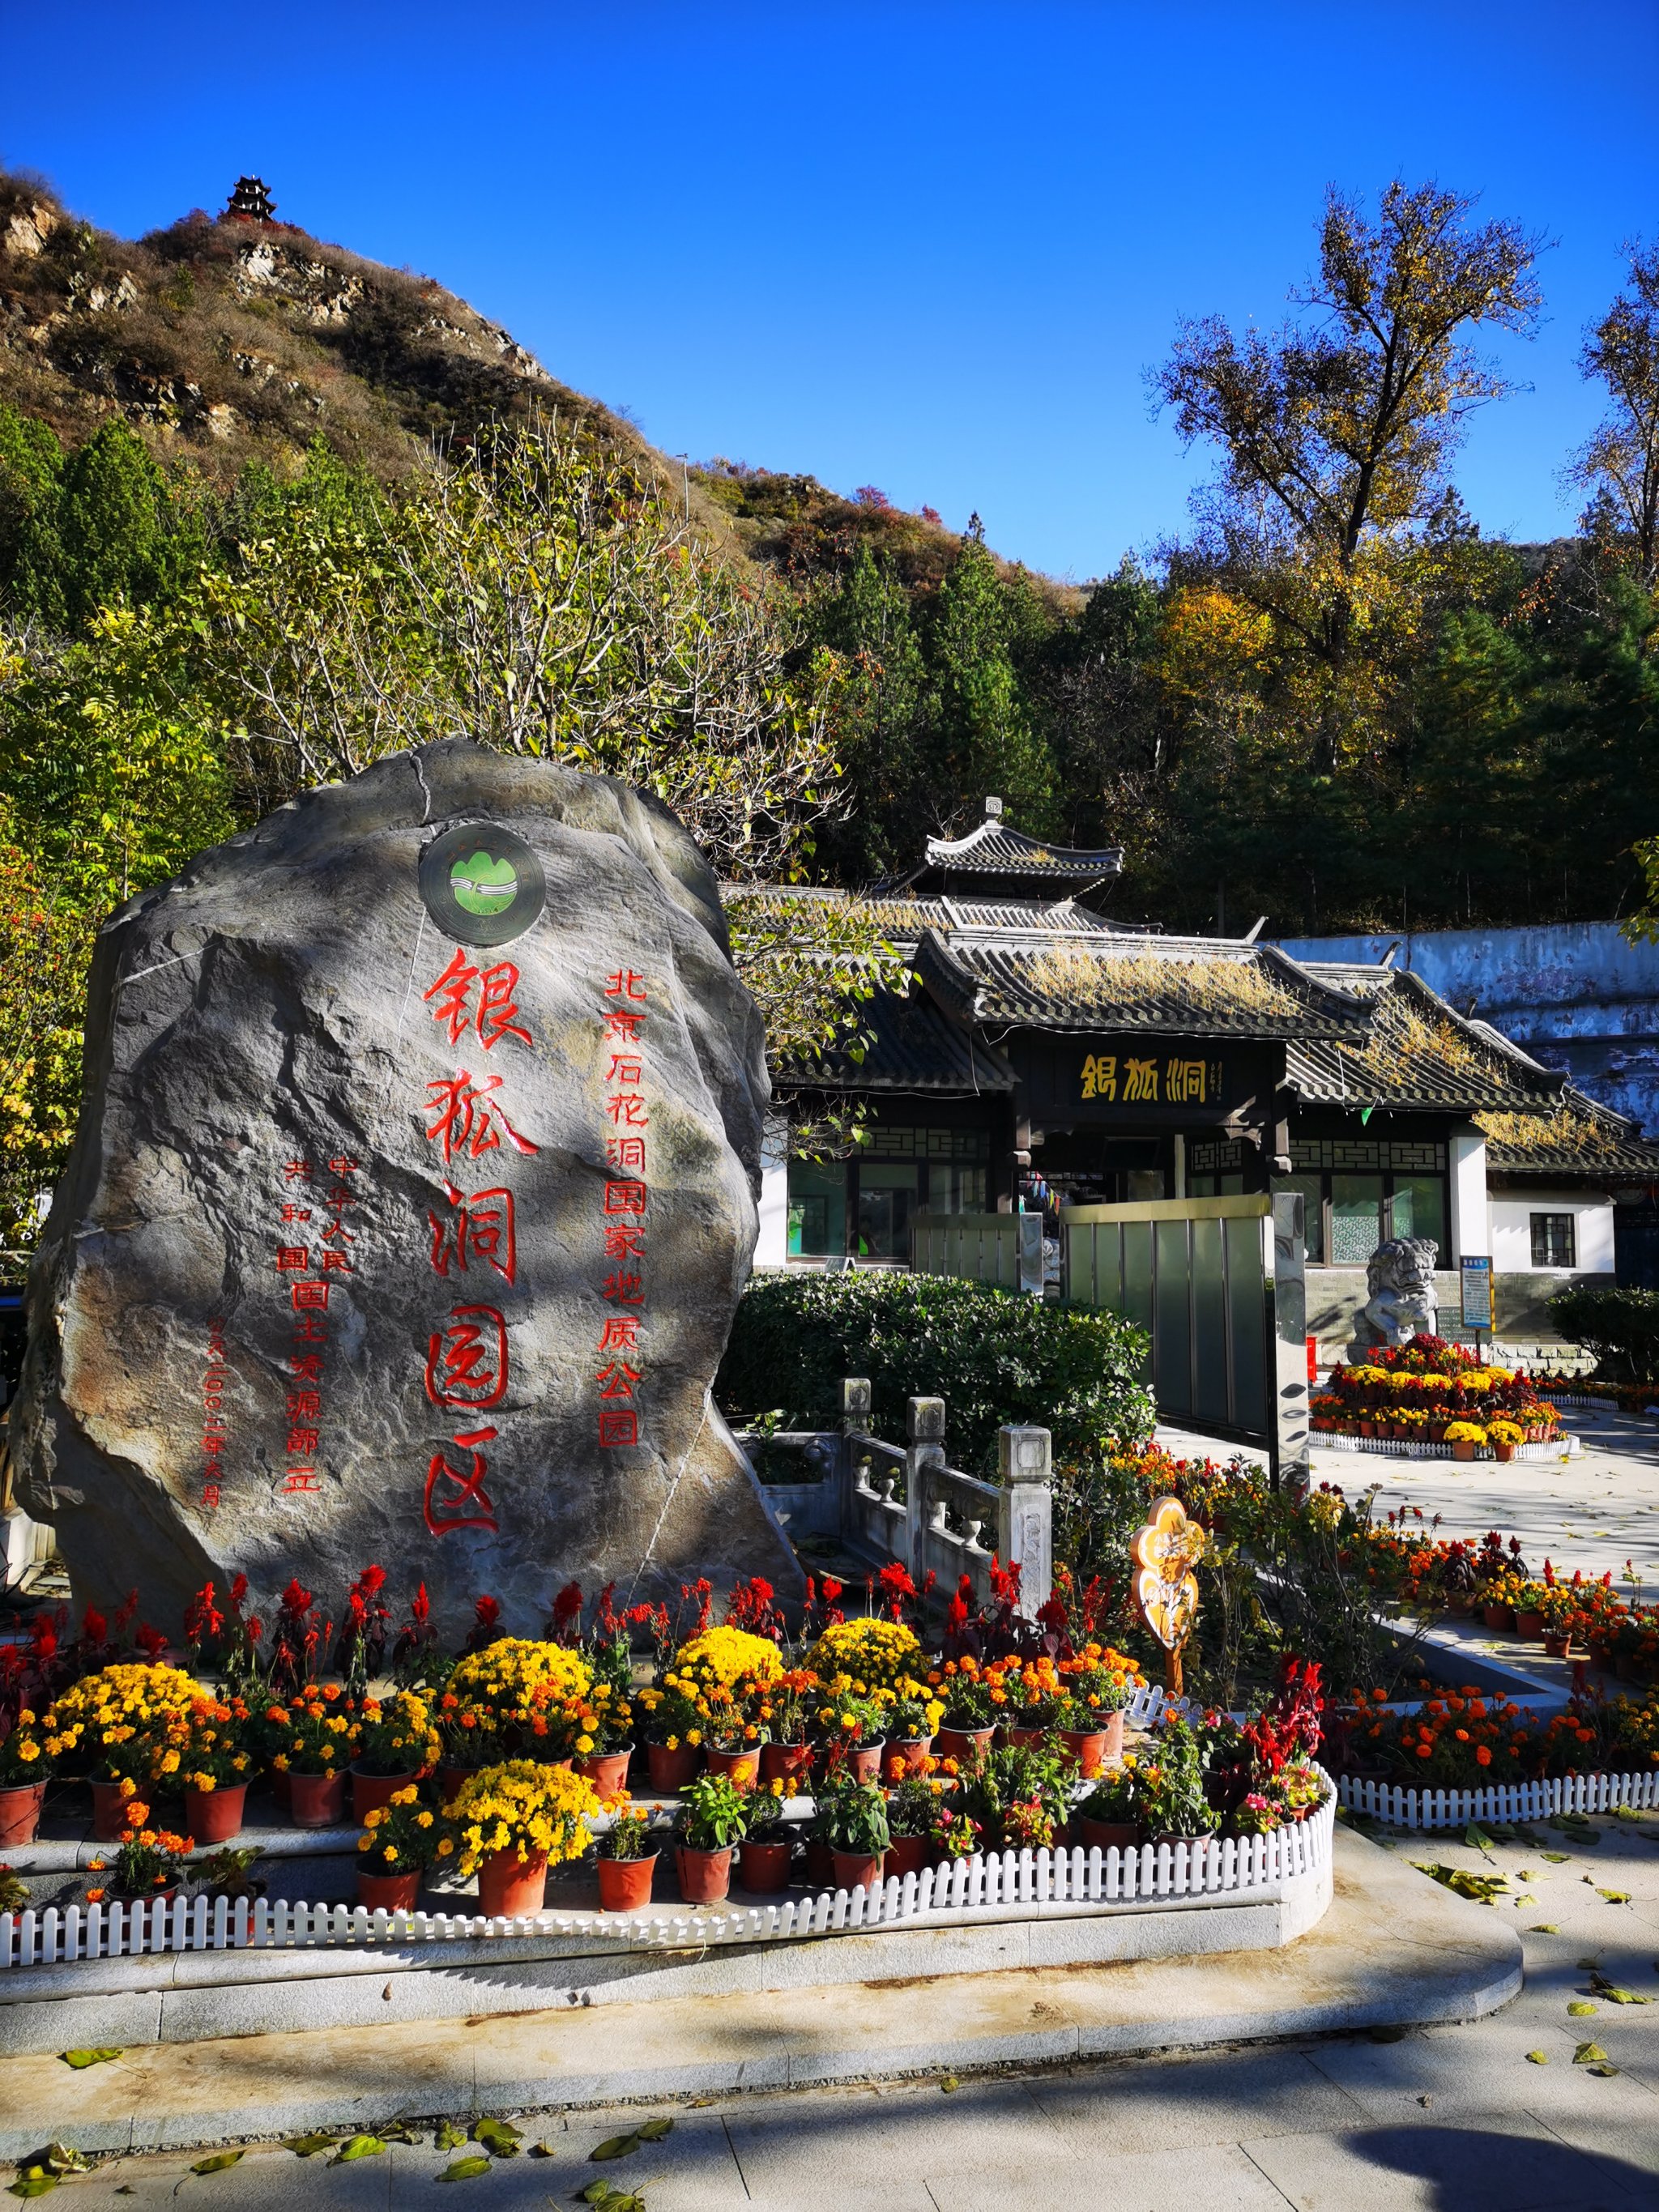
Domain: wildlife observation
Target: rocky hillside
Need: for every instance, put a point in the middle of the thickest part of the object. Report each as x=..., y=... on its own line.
x=223, y=341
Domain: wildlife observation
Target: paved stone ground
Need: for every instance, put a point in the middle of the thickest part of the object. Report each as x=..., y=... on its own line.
x=1458, y=2119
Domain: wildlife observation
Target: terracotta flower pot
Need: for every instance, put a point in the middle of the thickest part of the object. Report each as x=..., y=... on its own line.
x=786, y=1762
x=451, y=1780
x=904, y=1754
x=625, y=1884
x=671, y=1771
x=388, y=1892
x=1497, y=1616
x=858, y=1870
x=109, y=1812
x=705, y=1877
x=150, y=1897
x=214, y=1816
x=820, y=1865
x=319, y=1800
x=1193, y=1843
x=1557, y=1644
x=864, y=1764
x=1462, y=1450
x=20, y=1812
x=1503, y=1451
x=370, y=1792
x=1106, y=1835
x=907, y=1855
x=742, y=1767
x=1530, y=1625
x=607, y=1770
x=1024, y=1739
x=763, y=1865
x=1094, y=1748
x=961, y=1744
x=509, y=1886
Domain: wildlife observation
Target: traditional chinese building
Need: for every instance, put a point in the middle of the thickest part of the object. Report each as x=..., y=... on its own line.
x=1044, y=1056
x=251, y=201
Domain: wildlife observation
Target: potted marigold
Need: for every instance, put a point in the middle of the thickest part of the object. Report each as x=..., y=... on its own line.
x=519, y=1695
x=1504, y=1435
x=851, y=1819
x=974, y=1699
x=400, y=1840
x=850, y=1730
x=767, y=1845
x=511, y=1823
x=149, y=1867
x=673, y=1738
x=784, y=1709
x=868, y=1657
x=909, y=1726
x=114, y=1721
x=604, y=1743
x=1095, y=1688
x=26, y=1763
x=723, y=1675
x=713, y=1817
x=316, y=1738
x=214, y=1765
x=1464, y=1438
x=626, y=1858
x=913, y=1812
x=1174, y=1804
x=397, y=1744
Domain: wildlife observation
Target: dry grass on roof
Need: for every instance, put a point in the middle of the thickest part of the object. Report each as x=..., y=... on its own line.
x=1406, y=1036
x=1567, y=1132
x=1126, y=979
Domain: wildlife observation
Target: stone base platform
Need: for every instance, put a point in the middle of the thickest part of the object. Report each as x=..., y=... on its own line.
x=1393, y=1950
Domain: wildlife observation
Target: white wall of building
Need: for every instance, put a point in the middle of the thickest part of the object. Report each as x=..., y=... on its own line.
x=772, y=1247
x=1466, y=1160
x=1511, y=1231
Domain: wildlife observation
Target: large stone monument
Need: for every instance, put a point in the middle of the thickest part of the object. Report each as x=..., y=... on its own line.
x=413, y=1195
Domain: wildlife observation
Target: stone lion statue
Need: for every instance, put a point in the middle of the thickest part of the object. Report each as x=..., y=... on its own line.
x=1400, y=1276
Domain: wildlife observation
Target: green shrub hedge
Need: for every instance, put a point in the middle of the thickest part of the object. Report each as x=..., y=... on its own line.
x=1621, y=1327
x=992, y=1357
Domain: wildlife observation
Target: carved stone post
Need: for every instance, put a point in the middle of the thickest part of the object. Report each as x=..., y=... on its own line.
x=1026, y=1514
x=924, y=1437
x=855, y=1423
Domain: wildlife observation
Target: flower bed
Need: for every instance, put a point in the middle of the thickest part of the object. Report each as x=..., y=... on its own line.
x=1431, y=1392
x=1396, y=1448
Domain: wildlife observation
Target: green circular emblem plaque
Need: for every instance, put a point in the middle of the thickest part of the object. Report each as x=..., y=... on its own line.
x=481, y=884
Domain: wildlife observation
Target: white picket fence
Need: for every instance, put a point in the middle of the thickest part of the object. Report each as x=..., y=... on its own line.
x=993, y=1883
x=1395, y=1447
x=1400, y=1807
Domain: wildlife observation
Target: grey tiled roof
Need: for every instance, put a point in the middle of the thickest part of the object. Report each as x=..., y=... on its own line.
x=1581, y=1141
x=1420, y=1054
x=996, y=848
x=1081, y=983
x=913, y=1047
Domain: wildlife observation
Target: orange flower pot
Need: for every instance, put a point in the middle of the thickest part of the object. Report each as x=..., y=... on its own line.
x=786, y=1762
x=1024, y=1739
x=904, y=1755
x=625, y=1884
x=109, y=1812
x=907, y=1855
x=19, y=1813
x=451, y=1780
x=741, y=1767
x=319, y=1800
x=214, y=1816
x=1461, y=1450
x=763, y=1865
x=961, y=1744
x=607, y=1770
x=858, y=1870
x=671, y=1771
x=1530, y=1625
x=705, y=1877
x=509, y=1886
x=370, y=1792
x=388, y=1892
x=1106, y=1835
x=1095, y=1747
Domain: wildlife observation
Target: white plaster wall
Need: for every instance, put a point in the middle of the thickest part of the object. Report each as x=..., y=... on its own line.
x=772, y=1246
x=1467, y=1158
x=1511, y=1231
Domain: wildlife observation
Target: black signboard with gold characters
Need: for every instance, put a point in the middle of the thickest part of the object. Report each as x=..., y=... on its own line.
x=1073, y=1082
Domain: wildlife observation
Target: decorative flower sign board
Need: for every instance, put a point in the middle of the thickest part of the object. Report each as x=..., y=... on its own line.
x=1165, y=1552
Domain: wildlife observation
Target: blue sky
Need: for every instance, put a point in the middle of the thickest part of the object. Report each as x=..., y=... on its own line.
x=930, y=248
